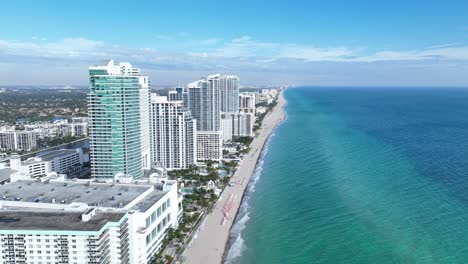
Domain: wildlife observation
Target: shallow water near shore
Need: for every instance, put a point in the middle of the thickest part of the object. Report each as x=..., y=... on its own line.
x=360, y=176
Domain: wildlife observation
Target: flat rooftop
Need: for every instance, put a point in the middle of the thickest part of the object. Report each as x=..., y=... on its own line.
x=62, y=221
x=146, y=203
x=93, y=194
x=5, y=174
x=50, y=155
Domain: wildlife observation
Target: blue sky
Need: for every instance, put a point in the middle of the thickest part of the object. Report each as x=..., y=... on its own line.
x=371, y=43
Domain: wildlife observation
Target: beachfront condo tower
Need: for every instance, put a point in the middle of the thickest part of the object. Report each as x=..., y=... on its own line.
x=119, y=108
x=179, y=94
x=247, y=102
x=204, y=103
x=237, y=125
x=173, y=133
x=229, y=89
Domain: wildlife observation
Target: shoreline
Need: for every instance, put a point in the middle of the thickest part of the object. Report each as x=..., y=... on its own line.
x=210, y=244
x=230, y=239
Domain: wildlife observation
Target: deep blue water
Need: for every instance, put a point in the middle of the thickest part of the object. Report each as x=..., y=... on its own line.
x=361, y=176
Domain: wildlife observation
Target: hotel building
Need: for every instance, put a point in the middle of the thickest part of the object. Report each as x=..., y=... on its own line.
x=247, y=103
x=204, y=104
x=179, y=94
x=209, y=145
x=118, y=106
x=86, y=222
x=237, y=125
x=229, y=93
x=173, y=133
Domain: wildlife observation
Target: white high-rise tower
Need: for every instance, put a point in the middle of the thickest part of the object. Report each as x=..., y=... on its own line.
x=173, y=134
x=229, y=93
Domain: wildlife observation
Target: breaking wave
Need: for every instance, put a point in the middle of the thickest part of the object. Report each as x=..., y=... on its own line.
x=236, y=244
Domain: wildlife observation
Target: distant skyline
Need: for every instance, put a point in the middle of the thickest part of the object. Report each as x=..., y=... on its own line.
x=322, y=43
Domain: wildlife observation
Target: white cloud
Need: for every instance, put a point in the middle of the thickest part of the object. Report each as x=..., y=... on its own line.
x=243, y=48
x=446, y=45
x=442, y=53
x=246, y=46
x=63, y=48
x=253, y=58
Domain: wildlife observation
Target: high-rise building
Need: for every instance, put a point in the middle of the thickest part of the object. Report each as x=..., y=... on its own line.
x=118, y=108
x=204, y=104
x=173, y=133
x=173, y=96
x=179, y=94
x=145, y=108
x=209, y=145
x=237, y=125
x=229, y=90
x=247, y=102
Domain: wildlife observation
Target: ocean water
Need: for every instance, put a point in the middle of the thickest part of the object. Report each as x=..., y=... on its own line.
x=360, y=176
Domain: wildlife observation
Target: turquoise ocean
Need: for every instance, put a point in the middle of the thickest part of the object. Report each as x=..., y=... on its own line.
x=360, y=175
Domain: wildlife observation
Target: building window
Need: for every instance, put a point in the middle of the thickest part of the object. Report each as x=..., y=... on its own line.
x=153, y=217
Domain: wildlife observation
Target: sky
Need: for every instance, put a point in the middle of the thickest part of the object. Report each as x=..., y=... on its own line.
x=320, y=43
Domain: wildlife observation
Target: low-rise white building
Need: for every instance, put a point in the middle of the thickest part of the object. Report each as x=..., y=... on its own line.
x=209, y=145
x=59, y=128
x=64, y=161
x=267, y=96
x=12, y=139
x=79, y=129
x=85, y=222
x=237, y=125
x=261, y=110
x=17, y=140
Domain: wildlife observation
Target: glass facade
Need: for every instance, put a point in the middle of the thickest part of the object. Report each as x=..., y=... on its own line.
x=115, y=127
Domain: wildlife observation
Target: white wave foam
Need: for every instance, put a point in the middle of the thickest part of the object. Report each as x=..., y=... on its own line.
x=237, y=247
x=240, y=225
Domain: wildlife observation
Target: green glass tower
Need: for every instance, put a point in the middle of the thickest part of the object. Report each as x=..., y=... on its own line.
x=117, y=102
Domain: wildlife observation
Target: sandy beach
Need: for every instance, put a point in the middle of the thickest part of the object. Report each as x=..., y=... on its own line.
x=210, y=241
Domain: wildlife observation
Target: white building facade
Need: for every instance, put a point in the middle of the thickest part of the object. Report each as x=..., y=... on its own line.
x=126, y=227
x=66, y=161
x=173, y=133
x=204, y=103
x=247, y=103
x=145, y=121
x=237, y=125
x=229, y=93
x=18, y=140
x=209, y=145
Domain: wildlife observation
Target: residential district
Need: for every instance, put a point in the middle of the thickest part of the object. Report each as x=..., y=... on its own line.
x=154, y=167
